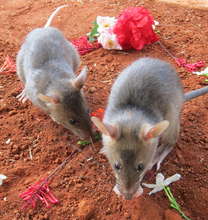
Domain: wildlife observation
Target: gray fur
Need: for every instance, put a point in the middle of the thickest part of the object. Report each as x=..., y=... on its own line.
x=46, y=64
x=146, y=92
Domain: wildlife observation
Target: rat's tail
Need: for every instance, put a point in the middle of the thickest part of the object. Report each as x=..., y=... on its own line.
x=53, y=14
x=196, y=93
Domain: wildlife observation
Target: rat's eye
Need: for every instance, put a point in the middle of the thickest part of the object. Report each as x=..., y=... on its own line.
x=72, y=121
x=140, y=167
x=117, y=166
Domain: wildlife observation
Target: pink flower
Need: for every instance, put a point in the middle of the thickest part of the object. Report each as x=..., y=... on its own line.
x=134, y=28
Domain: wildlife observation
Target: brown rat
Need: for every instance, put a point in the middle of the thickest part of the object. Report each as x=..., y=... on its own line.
x=144, y=107
x=46, y=64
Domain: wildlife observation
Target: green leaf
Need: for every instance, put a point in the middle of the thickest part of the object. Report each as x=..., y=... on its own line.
x=157, y=31
x=83, y=143
x=94, y=32
x=91, y=39
x=98, y=136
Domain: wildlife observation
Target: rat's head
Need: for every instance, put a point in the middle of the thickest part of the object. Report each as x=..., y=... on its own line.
x=130, y=153
x=66, y=105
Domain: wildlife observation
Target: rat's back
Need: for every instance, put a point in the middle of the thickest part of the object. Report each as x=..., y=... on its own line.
x=43, y=46
x=149, y=85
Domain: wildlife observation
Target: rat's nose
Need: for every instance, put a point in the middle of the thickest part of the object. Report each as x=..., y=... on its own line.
x=128, y=196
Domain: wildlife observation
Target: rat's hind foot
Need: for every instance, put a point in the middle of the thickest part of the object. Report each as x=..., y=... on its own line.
x=22, y=96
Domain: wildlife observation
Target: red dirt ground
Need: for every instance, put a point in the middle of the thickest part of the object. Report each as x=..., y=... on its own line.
x=84, y=187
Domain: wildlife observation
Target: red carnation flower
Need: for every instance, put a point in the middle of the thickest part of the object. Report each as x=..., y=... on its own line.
x=134, y=28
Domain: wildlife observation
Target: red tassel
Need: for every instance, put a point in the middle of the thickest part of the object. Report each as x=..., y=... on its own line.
x=8, y=66
x=84, y=46
x=38, y=191
x=190, y=67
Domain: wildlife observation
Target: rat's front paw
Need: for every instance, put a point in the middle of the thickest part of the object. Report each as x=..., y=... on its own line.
x=116, y=190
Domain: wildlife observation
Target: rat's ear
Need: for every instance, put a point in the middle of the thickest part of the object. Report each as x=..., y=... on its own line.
x=79, y=81
x=148, y=132
x=49, y=99
x=106, y=129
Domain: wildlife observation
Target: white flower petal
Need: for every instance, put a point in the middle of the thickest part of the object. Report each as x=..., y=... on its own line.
x=2, y=177
x=8, y=141
x=109, y=41
x=205, y=71
x=156, y=189
x=101, y=29
x=149, y=185
x=160, y=179
x=161, y=183
x=100, y=20
x=172, y=179
x=156, y=22
x=105, y=23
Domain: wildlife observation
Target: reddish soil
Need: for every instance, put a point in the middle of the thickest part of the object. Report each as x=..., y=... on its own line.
x=84, y=186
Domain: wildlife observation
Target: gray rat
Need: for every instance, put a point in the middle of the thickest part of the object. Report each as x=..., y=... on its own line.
x=144, y=107
x=46, y=64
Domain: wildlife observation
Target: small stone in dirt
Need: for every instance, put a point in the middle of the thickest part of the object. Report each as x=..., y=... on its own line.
x=108, y=211
x=109, y=59
x=92, y=89
x=172, y=215
x=89, y=159
x=85, y=209
x=13, y=112
x=16, y=157
x=8, y=141
x=103, y=54
x=112, y=69
x=3, y=106
x=127, y=215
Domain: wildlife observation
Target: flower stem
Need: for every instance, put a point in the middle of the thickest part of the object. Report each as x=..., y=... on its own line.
x=173, y=202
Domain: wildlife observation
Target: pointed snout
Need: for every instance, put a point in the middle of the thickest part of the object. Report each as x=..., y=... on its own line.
x=129, y=193
x=128, y=196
